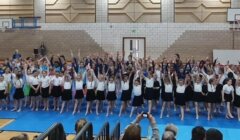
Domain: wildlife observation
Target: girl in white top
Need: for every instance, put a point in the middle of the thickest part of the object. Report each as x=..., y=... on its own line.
x=180, y=95
x=27, y=74
x=167, y=94
x=111, y=95
x=228, y=97
x=137, y=92
x=3, y=92
x=34, y=92
x=79, y=93
x=18, y=95
x=211, y=95
x=56, y=89
x=237, y=98
x=100, y=91
x=126, y=94
x=8, y=75
x=198, y=95
x=67, y=92
x=45, y=90
x=90, y=97
x=149, y=90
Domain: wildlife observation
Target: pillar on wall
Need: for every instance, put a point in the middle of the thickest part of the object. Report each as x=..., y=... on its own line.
x=39, y=9
x=235, y=4
x=167, y=11
x=101, y=11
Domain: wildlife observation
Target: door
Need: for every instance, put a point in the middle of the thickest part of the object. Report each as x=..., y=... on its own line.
x=133, y=46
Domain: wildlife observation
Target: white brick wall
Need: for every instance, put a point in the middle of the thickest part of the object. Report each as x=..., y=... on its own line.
x=158, y=36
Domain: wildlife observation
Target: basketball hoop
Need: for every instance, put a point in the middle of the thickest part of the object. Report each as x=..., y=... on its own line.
x=237, y=22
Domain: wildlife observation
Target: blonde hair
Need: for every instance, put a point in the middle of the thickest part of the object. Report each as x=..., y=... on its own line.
x=79, y=124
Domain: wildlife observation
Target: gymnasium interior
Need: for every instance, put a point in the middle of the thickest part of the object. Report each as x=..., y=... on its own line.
x=148, y=29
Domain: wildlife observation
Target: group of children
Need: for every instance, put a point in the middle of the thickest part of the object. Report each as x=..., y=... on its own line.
x=33, y=82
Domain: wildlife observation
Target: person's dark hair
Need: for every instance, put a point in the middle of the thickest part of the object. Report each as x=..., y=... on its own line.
x=230, y=75
x=213, y=134
x=178, y=56
x=210, y=81
x=18, y=76
x=198, y=133
x=132, y=132
x=22, y=136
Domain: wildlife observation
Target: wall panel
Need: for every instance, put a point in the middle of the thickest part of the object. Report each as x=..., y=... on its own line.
x=143, y=11
x=70, y=11
x=198, y=11
x=16, y=8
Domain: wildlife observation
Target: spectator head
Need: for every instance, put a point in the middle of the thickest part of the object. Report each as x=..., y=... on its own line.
x=198, y=133
x=213, y=134
x=172, y=128
x=132, y=132
x=80, y=124
x=168, y=135
x=22, y=136
x=177, y=56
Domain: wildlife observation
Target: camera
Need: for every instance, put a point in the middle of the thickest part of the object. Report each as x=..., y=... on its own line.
x=145, y=115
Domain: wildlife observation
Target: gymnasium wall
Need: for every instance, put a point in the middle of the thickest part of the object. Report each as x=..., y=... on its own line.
x=136, y=11
x=70, y=11
x=201, y=11
x=162, y=22
x=158, y=36
x=16, y=8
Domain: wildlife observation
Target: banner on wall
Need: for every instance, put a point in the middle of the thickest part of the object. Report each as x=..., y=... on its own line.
x=223, y=56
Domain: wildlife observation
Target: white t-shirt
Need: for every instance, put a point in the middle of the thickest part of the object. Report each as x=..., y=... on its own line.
x=211, y=88
x=111, y=87
x=100, y=85
x=181, y=89
x=45, y=81
x=79, y=85
x=197, y=87
x=158, y=73
x=3, y=85
x=238, y=91
x=149, y=82
x=137, y=90
x=67, y=85
x=228, y=89
x=56, y=81
x=168, y=88
x=7, y=77
x=90, y=85
x=125, y=85
x=34, y=80
x=18, y=83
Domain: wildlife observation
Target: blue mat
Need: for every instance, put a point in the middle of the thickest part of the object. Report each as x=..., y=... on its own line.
x=40, y=121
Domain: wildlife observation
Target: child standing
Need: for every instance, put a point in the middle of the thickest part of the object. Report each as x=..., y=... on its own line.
x=18, y=95
x=3, y=92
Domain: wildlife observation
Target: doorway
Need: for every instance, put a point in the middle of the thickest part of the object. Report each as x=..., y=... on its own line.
x=136, y=46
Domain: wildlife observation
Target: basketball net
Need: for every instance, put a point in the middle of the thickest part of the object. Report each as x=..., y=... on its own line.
x=237, y=25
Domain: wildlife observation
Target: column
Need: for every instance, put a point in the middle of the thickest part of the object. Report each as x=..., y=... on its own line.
x=235, y=4
x=39, y=10
x=167, y=9
x=101, y=11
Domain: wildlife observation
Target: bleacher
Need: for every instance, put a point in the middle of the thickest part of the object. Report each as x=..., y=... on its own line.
x=56, y=132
